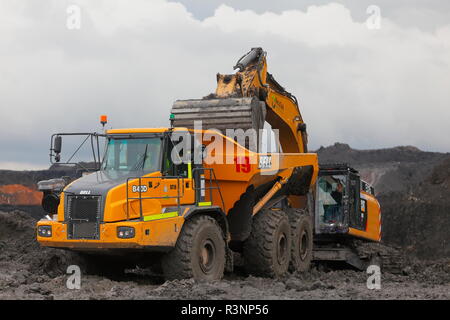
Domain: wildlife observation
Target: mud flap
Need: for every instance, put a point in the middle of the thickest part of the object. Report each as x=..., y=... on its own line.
x=240, y=217
x=300, y=180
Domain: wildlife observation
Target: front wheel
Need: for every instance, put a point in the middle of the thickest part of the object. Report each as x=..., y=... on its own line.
x=199, y=252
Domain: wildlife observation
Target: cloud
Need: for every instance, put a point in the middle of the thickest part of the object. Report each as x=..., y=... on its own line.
x=426, y=15
x=369, y=88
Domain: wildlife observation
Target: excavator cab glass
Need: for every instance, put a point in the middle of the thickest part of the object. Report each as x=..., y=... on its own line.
x=331, y=195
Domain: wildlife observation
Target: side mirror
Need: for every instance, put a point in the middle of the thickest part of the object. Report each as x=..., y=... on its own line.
x=57, y=144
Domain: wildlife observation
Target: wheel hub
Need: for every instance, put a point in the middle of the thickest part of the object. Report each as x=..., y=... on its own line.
x=282, y=249
x=207, y=255
x=303, y=245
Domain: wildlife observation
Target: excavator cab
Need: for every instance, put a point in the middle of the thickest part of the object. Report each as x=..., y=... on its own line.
x=347, y=217
x=345, y=204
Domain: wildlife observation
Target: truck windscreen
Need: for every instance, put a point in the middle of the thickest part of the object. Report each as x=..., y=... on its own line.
x=141, y=154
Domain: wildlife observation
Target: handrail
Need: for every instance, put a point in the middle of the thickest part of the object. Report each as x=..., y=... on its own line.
x=140, y=198
x=210, y=188
x=212, y=176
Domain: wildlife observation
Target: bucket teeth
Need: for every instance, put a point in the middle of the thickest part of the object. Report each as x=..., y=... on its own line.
x=220, y=114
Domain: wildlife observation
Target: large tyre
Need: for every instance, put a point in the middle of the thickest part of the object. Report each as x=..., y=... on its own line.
x=267, y=251
x=199, y=252
x=302, y=240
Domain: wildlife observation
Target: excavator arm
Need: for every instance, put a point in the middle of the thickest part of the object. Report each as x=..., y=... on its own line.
x=267, y=101
x=246, y=100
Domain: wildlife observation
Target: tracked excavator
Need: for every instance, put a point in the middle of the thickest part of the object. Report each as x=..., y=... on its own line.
x=189, y=197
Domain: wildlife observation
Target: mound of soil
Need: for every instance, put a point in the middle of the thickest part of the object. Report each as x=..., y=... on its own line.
x=18, y=189
x=391, y=169
x=19, y=194
x=18, y=246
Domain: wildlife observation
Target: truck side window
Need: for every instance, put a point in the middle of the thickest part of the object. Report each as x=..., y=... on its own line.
x=169, y=167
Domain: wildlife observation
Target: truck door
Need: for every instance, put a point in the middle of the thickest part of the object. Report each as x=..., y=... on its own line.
x=179, y=179
x=357, y=210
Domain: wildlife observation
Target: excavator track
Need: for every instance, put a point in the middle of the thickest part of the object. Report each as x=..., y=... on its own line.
x=390, y=259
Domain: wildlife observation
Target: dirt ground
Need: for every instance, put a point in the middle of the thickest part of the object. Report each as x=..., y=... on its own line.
x=28, y=271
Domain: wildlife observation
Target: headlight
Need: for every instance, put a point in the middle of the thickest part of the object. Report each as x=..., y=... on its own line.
x=45, y=231
x=125, y=232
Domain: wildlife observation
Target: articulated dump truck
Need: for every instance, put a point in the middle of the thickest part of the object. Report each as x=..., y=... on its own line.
x=190, y=197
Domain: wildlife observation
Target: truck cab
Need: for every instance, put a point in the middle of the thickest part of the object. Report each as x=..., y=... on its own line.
x=137, y=199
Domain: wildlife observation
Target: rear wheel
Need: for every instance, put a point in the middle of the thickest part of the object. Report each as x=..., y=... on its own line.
x=267, y=251
x=302, y=240
x=199, y=252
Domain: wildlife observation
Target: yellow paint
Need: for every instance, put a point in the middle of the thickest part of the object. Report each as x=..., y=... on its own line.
x=189, y=170
x=373, y=226
x=161, y=233
x=161, y=216
x=204, y=204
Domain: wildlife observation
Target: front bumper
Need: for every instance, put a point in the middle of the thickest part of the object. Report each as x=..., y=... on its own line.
x=149, y=235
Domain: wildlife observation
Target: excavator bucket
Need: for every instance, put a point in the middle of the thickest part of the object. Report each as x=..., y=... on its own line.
x=220, y=114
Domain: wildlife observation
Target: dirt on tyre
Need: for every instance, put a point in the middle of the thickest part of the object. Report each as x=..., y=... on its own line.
x=267, y=251
x=199, y=252
x=302, y=240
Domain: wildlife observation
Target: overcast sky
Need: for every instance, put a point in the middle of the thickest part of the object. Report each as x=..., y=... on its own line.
x=370, y=88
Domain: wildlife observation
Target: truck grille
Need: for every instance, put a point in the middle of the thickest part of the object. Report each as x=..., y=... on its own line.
x=83, y=215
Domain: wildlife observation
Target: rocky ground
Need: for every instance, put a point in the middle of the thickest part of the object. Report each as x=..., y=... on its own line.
x=411, y=185
x=31, y=272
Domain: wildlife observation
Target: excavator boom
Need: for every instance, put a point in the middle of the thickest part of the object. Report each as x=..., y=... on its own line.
x=245, y=100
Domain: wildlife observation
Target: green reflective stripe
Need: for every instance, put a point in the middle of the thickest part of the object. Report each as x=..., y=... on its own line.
x=189, y=170
x=161, y=216
x=204, y=204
